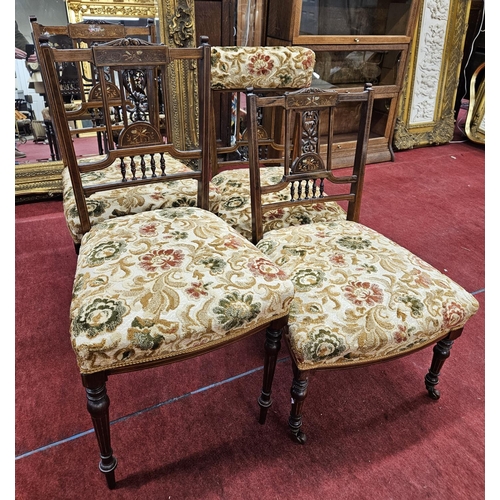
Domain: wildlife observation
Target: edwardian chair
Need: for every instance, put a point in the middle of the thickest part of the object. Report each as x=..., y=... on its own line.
x=163, y=285
x=271, y=70
x=360, y=298
x=86, y=112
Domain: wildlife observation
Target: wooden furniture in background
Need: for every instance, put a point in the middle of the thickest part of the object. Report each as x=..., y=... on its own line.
x=355, y=43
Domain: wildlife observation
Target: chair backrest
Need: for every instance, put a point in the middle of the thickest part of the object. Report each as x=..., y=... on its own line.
x=129, y=105
x=270, y=70
x=81, y=35
x=307, y=171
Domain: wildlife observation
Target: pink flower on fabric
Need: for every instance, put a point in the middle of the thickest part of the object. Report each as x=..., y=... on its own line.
x=364, y=293
x=267, y=269
x=453, y=315
x=308, y=62
x=232, y=242
x=196, y=290
x=260, y=64
x=161, y=259
x=276, y=214
x=401, y=335
x=148, y=229
x=337, y=259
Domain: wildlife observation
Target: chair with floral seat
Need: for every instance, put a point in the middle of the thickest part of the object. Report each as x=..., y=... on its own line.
x=360, y=298
x=165, y=285
x=85, y=92
x=270, y=70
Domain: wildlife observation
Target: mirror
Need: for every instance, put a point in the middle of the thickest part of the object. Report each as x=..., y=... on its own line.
x=38, y=174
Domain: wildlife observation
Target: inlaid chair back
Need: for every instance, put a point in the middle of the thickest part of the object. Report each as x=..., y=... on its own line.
x=270, y=71
x=75, y=79
x=158, y=286
x=360, y=298
x=117, y=179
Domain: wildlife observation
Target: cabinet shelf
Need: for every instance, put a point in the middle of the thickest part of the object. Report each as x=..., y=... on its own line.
x=355, y=42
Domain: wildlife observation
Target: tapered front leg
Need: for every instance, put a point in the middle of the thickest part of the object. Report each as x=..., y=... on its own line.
x=98, y=407
x=441, y=354
x=299, y=393
x=272, y=347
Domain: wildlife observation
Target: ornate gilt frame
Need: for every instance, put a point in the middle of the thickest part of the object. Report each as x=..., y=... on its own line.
x=38, y=180
x=77, y=9
x=475, y=127
x=426, y=109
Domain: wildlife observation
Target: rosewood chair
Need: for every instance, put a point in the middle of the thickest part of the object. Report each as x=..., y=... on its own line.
x=271, y=70
x=164, y=285
x=87, y=112
x=360, y=298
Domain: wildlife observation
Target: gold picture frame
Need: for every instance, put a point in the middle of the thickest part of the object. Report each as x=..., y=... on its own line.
x=426, y=109
x=475, y=122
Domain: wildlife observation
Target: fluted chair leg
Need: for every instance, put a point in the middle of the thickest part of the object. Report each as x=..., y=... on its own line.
x=98, y=407
x=441, y=354
x=272, y=347
x=299, y=393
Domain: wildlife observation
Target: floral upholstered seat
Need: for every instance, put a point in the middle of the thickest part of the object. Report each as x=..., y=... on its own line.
x=128, y=200
x=168, y=283
x=233, y=188
x=360, y=298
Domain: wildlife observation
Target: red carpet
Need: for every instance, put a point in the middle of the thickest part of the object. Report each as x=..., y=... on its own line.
x=190, y=431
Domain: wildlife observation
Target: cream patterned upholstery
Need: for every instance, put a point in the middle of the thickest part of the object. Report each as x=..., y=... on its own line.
x=261, y=67
x=129, y=200
x=360, y=297
x=233, y=187
x=166, y=283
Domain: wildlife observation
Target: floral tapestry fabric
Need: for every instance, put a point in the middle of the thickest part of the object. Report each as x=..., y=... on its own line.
x=234, y=203
x=360, y=297
x=129, y=200
x=168, y=282
x=261, y=67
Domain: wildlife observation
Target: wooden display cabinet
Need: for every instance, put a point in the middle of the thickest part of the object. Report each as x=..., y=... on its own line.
x=355, y=42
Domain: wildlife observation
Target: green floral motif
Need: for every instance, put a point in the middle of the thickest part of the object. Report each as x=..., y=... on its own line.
x=324, y=345
x=235, y=310
x=266, y=246
x=95, y=207
x=354, y=243
x=78, y=284
x=179, y=235
x=285, y=80
x=307, y=279
x=106, y=251
x=102, y=315
x=414, y=303
x=216, y=264
x=235, y=202
x=184, y=202
x=296, y=251
x=143, y=336
x=369, y=268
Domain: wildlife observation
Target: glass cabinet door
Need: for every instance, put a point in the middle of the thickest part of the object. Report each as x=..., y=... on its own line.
x=354, y=17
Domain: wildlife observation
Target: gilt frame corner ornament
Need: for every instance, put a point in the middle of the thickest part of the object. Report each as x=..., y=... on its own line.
x=34, y=180
x=426, y=114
